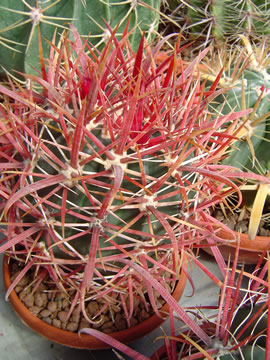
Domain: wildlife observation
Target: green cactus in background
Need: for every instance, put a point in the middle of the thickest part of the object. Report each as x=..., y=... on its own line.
x=247, y=85
x=250, y=88
x=224, y=18
x=21, y=19
x=220, y=19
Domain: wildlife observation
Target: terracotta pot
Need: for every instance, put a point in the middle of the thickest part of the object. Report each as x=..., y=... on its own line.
x=85, y=341
x=250, y=250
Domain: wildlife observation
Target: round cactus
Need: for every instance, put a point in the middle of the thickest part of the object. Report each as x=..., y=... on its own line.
x=246, y=80
x=221, y=19
x=107, y=172
x=21, y=19
x=248, y=86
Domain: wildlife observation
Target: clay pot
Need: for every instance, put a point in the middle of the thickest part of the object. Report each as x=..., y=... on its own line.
x=85, y=341
x=249, y=251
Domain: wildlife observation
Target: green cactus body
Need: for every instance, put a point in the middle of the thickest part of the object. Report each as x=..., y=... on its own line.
x=253, y=83
x=78, y=204
x=19, y=23
x=227, y=19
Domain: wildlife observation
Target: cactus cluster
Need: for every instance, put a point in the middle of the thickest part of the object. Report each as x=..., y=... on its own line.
x=21, y=20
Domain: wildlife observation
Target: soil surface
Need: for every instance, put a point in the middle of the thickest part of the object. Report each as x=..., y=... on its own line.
x=239, y=222
x=53, y=307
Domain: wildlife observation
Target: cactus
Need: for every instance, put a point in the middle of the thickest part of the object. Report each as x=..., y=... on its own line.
x=106, y=172
x=247, y=84
x=21, y=19
x=228, y=19
x=250, y=88
x=221, y=20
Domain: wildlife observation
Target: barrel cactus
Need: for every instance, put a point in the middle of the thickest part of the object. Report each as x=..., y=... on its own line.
x=106, y=168
x=221, y=20
x=246, y=79
x=20, y=21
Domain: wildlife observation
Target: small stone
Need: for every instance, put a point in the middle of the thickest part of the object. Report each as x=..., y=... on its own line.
x=230, y=222
x=56, y=323
x=47, y=320
x=76, y=314
x=242, y=226
x=27, y=299
x=18, y=289
x=115, y=308
x=35, y=310
x=64, y=325
x=45, y=313
x=92, y=308
x=45, y=298
x=25, y=280
x=52, y=306
x=143, y=315
x=262, y=223
x=109, y=329
x=84, y=324
x=38, y=299
x=99, y=321
x=59, y=302
x=15, y=275
x=120, y=322
x=62, y=315
x=106, y=325
x=219, y=215
x=65, y=303
x=263, y=232
x=72, y=326
x=60, y=296
x=41, y=288
x=133, y=321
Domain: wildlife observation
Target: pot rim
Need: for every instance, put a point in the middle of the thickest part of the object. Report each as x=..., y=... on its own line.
x=85, y=341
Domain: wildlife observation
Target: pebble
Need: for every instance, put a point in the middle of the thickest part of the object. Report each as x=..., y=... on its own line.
x=92, y=308
x=62, y=315
x=45, y=313
x=241, y=226
x=18, y=288
x=107, y=325
x=120, y=322
x=56, y=323
x=64, y=325
x=27, y=299
x=35, y=310
x=48, y=320
x=38, y=299
x=52, y=306
x=72, y=326
x=65, y=303
x=83, y=324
